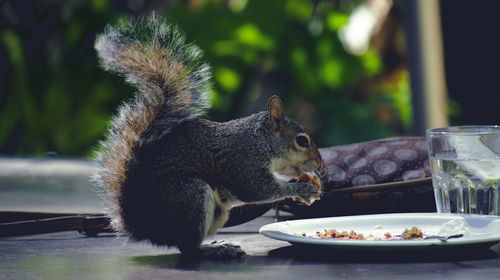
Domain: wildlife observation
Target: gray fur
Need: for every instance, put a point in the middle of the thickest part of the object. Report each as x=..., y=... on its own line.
x=173, y=178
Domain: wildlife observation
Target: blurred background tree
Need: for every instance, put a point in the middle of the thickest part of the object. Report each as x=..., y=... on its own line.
x=338, y=65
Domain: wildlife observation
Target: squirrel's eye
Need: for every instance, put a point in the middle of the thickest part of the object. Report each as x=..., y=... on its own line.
x=302, y=141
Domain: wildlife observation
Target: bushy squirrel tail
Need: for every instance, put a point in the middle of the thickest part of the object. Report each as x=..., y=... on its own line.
x=172, y=84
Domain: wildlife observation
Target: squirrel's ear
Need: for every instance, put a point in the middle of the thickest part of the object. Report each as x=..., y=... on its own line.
x=276, y=112
x=275, y=108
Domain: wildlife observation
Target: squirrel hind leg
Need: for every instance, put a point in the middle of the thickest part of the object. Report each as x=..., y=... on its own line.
x=217, y=213
x=217, y=251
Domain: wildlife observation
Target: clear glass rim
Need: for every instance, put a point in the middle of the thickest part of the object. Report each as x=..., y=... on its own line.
x=464, y=130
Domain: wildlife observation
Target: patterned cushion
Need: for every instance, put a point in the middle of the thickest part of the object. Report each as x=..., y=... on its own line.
x=375, y=162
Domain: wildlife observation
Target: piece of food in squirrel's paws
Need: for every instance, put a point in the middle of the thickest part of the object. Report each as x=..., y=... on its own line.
x=306, y=178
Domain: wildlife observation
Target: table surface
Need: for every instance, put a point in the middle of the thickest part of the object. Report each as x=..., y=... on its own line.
x=69, y=255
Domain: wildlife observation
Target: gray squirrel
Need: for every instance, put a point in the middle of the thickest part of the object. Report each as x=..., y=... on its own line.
x=170, y=176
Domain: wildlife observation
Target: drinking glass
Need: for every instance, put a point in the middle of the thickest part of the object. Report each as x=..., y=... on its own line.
x=465, y=166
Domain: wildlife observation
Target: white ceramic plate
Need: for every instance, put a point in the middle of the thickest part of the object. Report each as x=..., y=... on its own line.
x=479, y=231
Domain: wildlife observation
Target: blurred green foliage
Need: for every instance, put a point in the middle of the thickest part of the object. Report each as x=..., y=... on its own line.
x=56, y=99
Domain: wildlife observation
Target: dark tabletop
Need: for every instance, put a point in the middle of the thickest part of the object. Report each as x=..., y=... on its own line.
x=27, y=185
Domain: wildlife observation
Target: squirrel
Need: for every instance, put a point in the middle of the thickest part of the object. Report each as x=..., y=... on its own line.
x=170, y=176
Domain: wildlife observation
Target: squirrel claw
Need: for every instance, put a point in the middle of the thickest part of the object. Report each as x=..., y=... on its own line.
x=305, y=201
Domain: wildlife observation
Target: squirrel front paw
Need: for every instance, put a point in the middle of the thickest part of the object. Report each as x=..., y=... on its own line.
x=305, y=192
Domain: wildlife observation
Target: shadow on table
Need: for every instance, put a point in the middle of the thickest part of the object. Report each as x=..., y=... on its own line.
x=296, y=255
x=176, y=261
x=318, y=254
